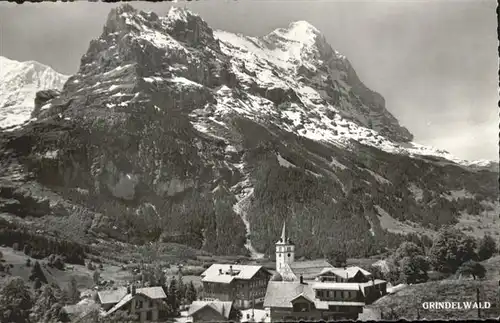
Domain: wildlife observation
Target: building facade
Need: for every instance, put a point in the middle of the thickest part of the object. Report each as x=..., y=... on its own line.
x=244, y=285
x=304, y=301
x=146, y=304
x=370, y=288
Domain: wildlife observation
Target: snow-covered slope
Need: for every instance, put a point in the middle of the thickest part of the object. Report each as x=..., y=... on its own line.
x=332, y=104
x=19, y=82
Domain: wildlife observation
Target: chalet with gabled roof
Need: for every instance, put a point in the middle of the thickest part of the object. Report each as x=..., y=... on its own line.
x=212, y=311
x=243, y=284
x=146, y=303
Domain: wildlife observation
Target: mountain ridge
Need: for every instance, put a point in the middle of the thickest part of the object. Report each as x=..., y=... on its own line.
x=20, y=82
x=172, y=132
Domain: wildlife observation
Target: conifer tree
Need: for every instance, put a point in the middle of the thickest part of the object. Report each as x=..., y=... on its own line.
x=73, y=292
x=487, y=248
x=190, y=293
x=172, y=300
x=181, y=290
x=37, y=272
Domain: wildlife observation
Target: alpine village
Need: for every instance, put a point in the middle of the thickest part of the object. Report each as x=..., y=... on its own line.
x=187, y=174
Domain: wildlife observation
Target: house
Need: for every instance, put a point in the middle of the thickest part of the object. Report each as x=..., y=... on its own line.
x=109, y=298
x=245, y=285
x=313, y=301
x=352, y=274
x=212, y=311
x=147, y=303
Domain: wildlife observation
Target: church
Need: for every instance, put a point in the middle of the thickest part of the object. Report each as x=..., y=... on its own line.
x=291, y=270
x=315, y=290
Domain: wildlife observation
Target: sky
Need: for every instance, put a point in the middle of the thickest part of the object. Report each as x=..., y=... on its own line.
x=434, y=61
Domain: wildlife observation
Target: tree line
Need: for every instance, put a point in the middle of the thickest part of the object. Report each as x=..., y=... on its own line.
x=39, y=246
x=452, y=252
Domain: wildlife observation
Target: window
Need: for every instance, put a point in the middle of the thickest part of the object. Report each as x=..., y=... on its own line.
x=288, y=255
x=301, y=307
x=149, y=315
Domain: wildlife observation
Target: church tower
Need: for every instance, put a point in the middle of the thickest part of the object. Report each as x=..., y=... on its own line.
x=285, y=251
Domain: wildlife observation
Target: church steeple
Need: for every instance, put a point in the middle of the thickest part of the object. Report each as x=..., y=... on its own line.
x=285, y=251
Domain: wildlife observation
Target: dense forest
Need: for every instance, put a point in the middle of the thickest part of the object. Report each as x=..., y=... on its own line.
x=40, y=245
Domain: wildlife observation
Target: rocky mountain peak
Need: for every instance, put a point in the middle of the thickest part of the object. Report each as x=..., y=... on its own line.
x=189, y=28
x=20, y=82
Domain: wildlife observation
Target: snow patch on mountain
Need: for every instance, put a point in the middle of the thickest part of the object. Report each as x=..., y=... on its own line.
x=18, y=86
x=417, y=192
x=283, y=162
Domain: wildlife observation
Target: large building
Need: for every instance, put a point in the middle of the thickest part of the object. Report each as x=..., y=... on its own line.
x=309, y=301
x=241, y=284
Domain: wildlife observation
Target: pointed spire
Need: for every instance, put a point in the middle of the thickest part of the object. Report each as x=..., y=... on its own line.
x=283, y=233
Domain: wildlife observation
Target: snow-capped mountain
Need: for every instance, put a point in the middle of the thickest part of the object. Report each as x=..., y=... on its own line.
x=19, y=82
x=173, y=131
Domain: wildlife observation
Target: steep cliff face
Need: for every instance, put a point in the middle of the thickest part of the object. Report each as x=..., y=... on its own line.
x=172, y=131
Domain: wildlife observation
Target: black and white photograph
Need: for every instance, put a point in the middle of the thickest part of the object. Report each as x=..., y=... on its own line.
x=249, y=161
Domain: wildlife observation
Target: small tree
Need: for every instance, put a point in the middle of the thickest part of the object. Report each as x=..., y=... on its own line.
x=472, y=268
x=73, y=292
x=370, y=123
x=96, y=277
x=376, y=272
x=393, y=273
x=27, y=249
x=37, y=272
x=181, y=290
x=414, y=270
x=172, y=300
x=487, y=248
x=450, y=249
x=336, y=258
x=37, y=284
x=191, y=293
x=407, y=249
x=58, y=263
